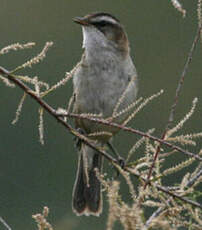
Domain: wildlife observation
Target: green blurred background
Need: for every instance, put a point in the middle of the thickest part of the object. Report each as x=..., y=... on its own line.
x=32, y=175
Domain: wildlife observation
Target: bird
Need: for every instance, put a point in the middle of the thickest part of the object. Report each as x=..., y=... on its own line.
x=106, y=73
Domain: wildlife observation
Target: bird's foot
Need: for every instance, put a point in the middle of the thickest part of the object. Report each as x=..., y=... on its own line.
x=77, y=140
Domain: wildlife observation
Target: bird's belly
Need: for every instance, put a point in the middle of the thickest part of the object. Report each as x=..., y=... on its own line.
x=97, y=94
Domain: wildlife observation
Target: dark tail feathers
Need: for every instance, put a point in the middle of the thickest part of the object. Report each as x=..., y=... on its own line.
x=87, y=197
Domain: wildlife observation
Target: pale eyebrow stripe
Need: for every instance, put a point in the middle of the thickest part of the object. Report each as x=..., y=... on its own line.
x=105, y=18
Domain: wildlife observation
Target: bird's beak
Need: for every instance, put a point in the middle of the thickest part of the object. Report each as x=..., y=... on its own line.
x=81, y=20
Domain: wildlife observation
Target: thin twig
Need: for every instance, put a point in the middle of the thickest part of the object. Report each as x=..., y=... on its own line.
x=175, y=195
x=181, y=81
x=176, y=99
x=166, y=190
x=193, y=180
x=152, y=217
x=4, y=223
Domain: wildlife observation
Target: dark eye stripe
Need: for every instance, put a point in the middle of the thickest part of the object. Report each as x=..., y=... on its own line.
x=101, y=23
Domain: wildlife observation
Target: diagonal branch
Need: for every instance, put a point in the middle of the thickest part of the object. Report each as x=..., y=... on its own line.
x=53, y=113
x=152, y=217
x=176, y=99
x=135, y=131
x=4, y=223
x=181, y=80
x=194, y=179
x=57, y=116
x=166, y=190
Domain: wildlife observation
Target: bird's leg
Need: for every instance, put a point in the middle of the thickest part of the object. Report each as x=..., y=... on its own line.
x=120, y=160
x=77, y=140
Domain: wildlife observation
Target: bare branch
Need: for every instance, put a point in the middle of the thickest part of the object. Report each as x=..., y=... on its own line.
x=88, y=142
x=4, y=223
x=177, y=94
x=57, y=116
x=181, y=80
x=153, y=216
x=194, y=179
x=138, y=132
x=51, y=111
x=166, y=190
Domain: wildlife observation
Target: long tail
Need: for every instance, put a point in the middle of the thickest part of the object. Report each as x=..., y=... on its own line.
x=87, y=197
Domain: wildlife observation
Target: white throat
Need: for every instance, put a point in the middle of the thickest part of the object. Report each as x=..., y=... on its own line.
x=93, y=38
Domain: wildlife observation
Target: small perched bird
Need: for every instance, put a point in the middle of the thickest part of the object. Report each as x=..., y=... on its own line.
x=106, y=73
